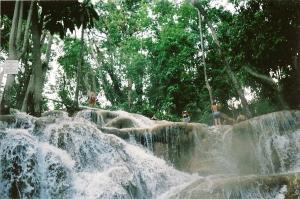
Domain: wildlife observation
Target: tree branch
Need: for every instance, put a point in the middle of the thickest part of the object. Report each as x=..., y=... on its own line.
x=54, y=100
x=48, y=52
x=79, y=66
x=43, y=37
x=260, y=76
x=270, y=81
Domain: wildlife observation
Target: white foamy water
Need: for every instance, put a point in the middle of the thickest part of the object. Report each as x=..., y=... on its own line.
x=57, y=156
x=74, y=159
x=140, y=121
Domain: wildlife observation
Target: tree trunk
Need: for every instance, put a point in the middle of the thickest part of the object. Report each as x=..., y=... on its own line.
x=28, y=91
x=80, y=62
x=96, y=54
x=227, y=66
x=37, y=63
x=238, y=89
x=12, y=55
x=14, y=45
x=297, y=69
x=24, y=85
x=45, y=65
x=32, y=100
x=86, y=83
x=26, y=33
x=139, y=91
x=22, y=94
x=129, y=93
x=116, y=84
x=203, y=60
x=105, y=84
x=297, y=66
x=19, y=32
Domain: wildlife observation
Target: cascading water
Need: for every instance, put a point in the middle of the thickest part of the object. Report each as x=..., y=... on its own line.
x=267, y=145
x=57, y=156
x=260, y=159
x=61, y=157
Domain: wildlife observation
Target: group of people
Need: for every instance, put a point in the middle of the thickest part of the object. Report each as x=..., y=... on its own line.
x=215, y=112
x=92, y=97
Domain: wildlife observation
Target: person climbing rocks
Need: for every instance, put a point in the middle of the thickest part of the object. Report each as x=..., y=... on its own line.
x=185, y=116
x=92, y=98
x=216, y=113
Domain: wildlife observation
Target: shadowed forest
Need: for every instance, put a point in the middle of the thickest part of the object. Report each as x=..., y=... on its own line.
x=155, y=58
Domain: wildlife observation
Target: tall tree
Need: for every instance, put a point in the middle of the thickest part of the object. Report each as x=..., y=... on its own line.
x=73, y=78
x=55, y=17
x=260, y=37
x=15, y=50
x=228, y=69
x=203, y=59
x=79, y=65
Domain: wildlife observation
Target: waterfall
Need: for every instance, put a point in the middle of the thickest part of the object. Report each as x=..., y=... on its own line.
x=56, y=156
x=258, y=158
x=115, y=154
x=268, y=144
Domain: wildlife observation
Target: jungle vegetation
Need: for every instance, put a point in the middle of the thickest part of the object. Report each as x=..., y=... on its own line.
x=156, y=58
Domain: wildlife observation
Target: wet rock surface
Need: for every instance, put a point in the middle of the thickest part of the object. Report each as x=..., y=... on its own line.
x=56, y=156
x=235, y=187
x=256, y=158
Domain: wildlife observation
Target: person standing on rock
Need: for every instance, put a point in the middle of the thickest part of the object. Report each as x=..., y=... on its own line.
x=92, y=98
x=186, y=117
x=216, y=113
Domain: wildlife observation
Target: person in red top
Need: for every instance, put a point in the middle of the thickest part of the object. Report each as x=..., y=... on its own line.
x=216, y=113
x=92, y=98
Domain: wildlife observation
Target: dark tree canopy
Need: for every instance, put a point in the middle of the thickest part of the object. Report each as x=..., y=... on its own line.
x=58, y=16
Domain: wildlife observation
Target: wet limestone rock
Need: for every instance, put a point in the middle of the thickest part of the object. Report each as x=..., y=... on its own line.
x=266, y=144
x=250, y=186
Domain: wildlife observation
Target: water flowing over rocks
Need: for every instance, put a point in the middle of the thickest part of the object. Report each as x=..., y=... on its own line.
x=260, y=159
x=56, y=156
x=246, y=187
x=115, y=154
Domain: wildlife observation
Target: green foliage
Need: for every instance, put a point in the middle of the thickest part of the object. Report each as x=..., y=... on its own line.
x=260, y=36
x=67, y=15
x=69, y=62
x=263, y=106
x=60, y=16
x=149, y=60
x=65, y=97
x=172, y=72
x=4, y=36
x=71, y=56
x=159, y=53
